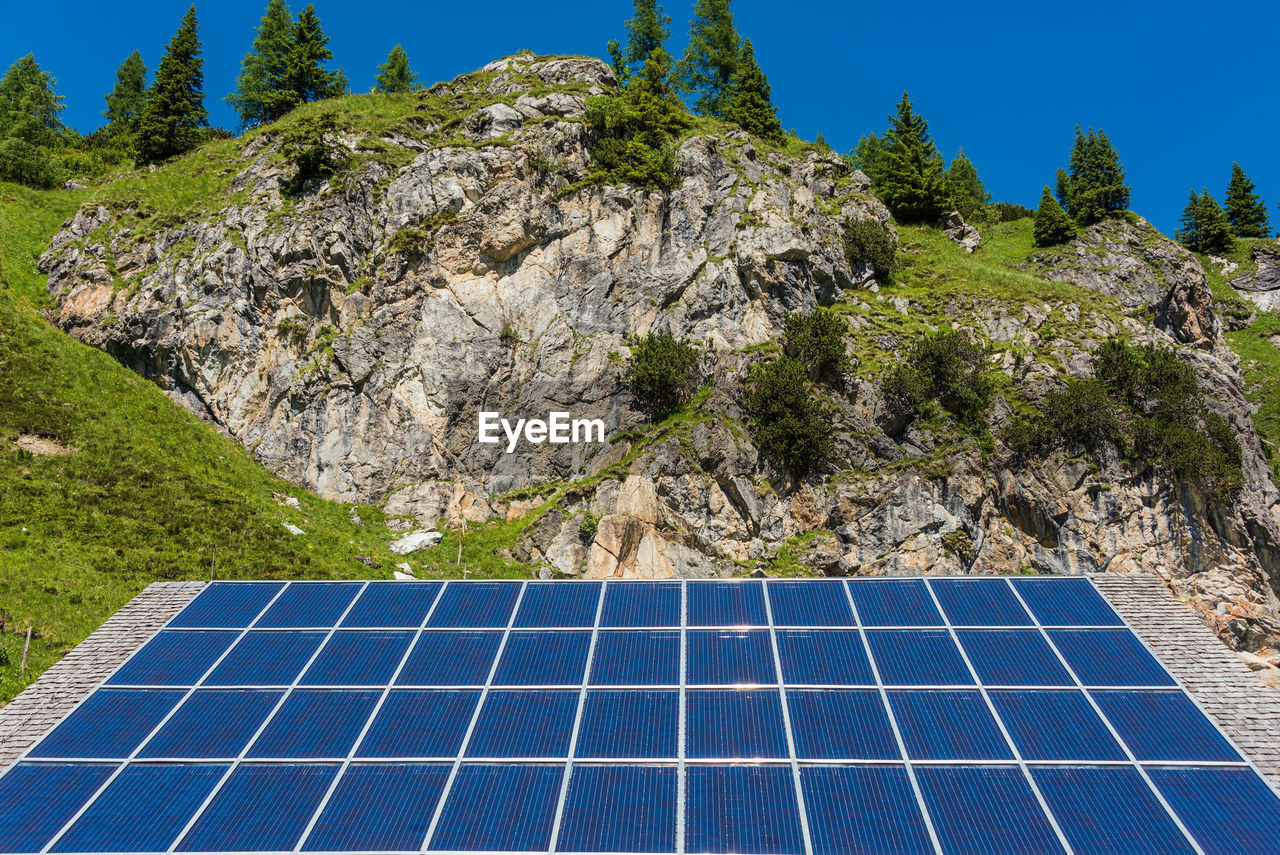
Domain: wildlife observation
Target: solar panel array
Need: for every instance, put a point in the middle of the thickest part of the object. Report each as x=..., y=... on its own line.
x=975, y=715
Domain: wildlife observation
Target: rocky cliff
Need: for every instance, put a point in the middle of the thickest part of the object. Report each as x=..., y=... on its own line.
x=350, y=334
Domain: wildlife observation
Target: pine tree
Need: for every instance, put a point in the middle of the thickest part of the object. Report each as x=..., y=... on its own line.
x=260, y=96
x=306, y=78
x=175, y=111
x=1205, y=227
x=647, y=31
x=128, y=99
x=1060, y=187
x=749, y=104
x=395, y=76
x=965, y=192
x=1246, y=211
x=705, y=73
x=913, y=182
x=1095, y=186
x=868, y=155
x=29, y=104
x=1052, y=225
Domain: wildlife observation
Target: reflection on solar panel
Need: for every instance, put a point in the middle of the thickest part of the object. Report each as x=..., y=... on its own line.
x=974, y=715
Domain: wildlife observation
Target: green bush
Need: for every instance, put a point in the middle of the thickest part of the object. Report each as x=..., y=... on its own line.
x=817, y=340
x=786, y=421
x=947, y=367
x=662, y=374
x=307, y=147
x=869, y=241
x=24, y=163
x=631, y=132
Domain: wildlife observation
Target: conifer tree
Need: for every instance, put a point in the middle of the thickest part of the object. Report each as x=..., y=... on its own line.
x=306, y=77
x=175, y=112
x=1205, y=227
x=1052, y=225
x=260, y=96
x=868, y=155
x=749, y=104
x=394, y=75
x=1095, y=185
x=705, y=73
x=965, y=192
x=647, y=31
x=913, y=181
x=29, y=104
x=1060, y=187
x=1246, y=211
x=127, y=100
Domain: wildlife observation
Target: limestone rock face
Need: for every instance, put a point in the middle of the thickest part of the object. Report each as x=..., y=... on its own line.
x=1262, y=286
x=350, y=338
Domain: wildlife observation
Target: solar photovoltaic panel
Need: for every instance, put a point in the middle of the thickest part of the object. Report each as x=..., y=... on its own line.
x=950, y=715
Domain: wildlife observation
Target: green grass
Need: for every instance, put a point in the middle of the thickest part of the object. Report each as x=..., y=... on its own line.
x=1260, y=365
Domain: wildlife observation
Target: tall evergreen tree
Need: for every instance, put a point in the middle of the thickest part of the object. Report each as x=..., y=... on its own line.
x=868, y=155
x=394, y=75
x=913, y=183
x=1060, y=187
x=306, y=77
x=749, y=104
x=128, y=99
x=1095, y=186
x=705, y=73
x=1052, y=225
x=647, y=31
x=1205, y=227
x=175, y=111
x=1245, y=209
x=29, y=104
x=965, y=192
x=260, y=95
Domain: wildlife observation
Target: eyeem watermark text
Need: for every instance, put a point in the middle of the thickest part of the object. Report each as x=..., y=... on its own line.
x=558, y=428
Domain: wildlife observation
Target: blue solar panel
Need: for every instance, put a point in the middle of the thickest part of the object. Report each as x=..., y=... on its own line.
x=1108, y=810
x=317, y=604
x=918, y=658
x=379, y=807
x=1066, y=602
x=1109, y=657
x=985, y=811
x=1184, y=734
x=316, y=724
x=620, y=809
x=261, y=808
x=358, y=659
x=1013, y=657
x=524, y=724
x=727, y=657
x=742, y=809
x=420, y=723
x=726, y=604
x=636, y=658
x=448, y=658
x=841, y=725
x=809, y=604
x=494, y=808
x=479, y=605
x=143, y=810
x=863, y=810
x=629, y=724
x=894, y=603
x=1228, y=811
x=393, y=604
x=824, y=657
x=173, y=659
x=559, y=604
x=232, y=605
x=213, y=723
x=948, y=725
x=727, y=725
x=980, y=602
x=641, y=604
x=111, y=723
x=1059, y=725
x=37, y=799
x=266, y=659
x=543, y=659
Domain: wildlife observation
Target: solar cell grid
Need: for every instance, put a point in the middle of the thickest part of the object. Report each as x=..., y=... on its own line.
x=1013, y=657
x=543, y=659
x=1109, y=810
x=824, y=657
x=174, y=659
x=351, y=658
x=730, y=657
x=260, y=808
x=1227, y=810
x=227, y=605
x=726, y=604
x=741, y=808
x=841, y=725
x=420, y=723
x=1055, y=725
x=1109, y=657
x=110, y=724
x=493, y=808
x=451, y=658
x=948, y=725
x=379, y=807
x=986, y=811
x=1066, y=602
x=315, y=724
x=863, y=810
x=212, y=723
x=636, y=658
x=641, y=604
x=524, y=724
x=476, y=605
x=316, y=604
x=811, y=603
x=555, y=604
x=37, y=799
x=1184, y=734
x=980, y=602
x=895, y=603
x=730, y=725
x=620, y=809
x=627, y=723
x=918, y=658
x=393, y=604
x=266, y=659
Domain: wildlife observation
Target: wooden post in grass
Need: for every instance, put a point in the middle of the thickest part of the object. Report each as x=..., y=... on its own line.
x=26, y=646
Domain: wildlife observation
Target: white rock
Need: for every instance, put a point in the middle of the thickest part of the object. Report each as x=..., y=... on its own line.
x=415, y=541
x=292, y=501
x=402, y=577
x=293, y=529
x=405, y=568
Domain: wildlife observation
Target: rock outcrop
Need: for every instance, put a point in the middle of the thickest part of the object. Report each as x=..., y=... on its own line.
x=351, y=336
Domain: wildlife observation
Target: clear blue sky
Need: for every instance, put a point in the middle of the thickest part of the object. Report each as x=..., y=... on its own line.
x=1183, y=88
